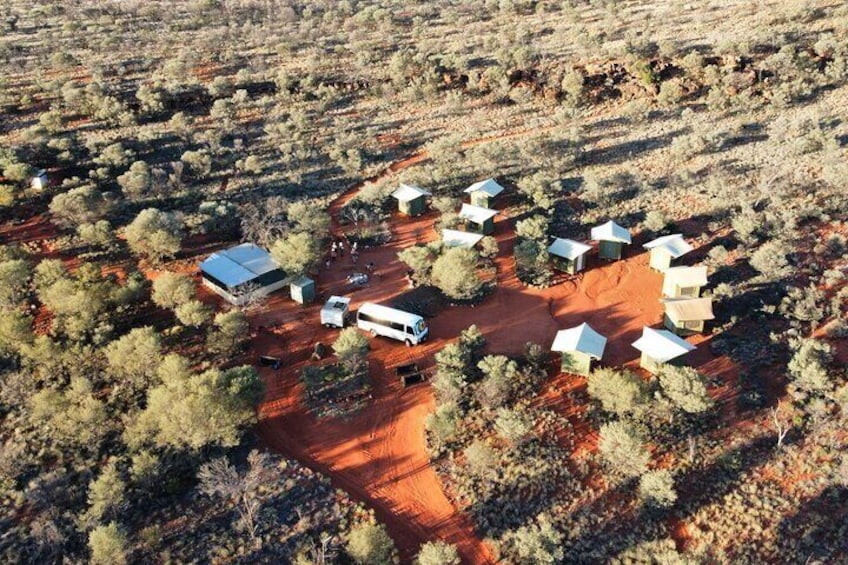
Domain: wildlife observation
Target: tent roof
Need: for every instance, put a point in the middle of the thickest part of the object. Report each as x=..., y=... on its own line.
x=662, y=345
x=489, y=186
x=690, y=309
x=685, y=276
x=611, y=231
x=581, y=338
x=239, y=264
x=476, y=214
x=407, y=192
x=568, y=248
x=673, y=244
x=456, y=238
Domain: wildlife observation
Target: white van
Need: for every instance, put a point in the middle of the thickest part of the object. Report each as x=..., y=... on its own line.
x=389, y=322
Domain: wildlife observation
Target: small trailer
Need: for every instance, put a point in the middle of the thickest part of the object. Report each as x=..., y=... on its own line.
x=335, y=312
x=268, y=361
x=409, y=374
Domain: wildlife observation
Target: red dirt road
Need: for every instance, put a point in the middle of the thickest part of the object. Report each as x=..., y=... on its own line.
x=379, y=455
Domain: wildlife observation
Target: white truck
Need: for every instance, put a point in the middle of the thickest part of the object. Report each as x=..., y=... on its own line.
x=335, y=311
x=390, y=322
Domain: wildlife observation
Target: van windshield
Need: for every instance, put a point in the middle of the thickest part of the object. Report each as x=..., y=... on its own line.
x=419, y=327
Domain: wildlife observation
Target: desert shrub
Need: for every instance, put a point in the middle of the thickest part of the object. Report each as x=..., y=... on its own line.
x=193, y=313
x=655, y=221
x=809, y=369
x=106, y=494
x=154, y=234
x=137, y=181
x=514, y=425
x=350, y=343
x=437, y=553
x=370, y=544
x=480, y=458
x=683, y=389
x=488, y=247
x=655, y=552
x=230, y=332
x=420, y=258
x=805, y=304
x=442, y=423
x=499, y=377
x=532, y=263
x=770, y=260
x=296, y=253
x=81, y=205
x=171, y=290
x=74, y=416
x=534, y=227
x=134, y=357
x=98, y=234
x=538, y=543
x=656, y=488
x=455, y=273
x=14, y=281
x=622, y=449
x=620, y=392
x=541, y=189
x=108, y=545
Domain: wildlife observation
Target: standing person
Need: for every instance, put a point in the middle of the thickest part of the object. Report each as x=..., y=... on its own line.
x=341, y=247
x=354, y=255
x=353, y=248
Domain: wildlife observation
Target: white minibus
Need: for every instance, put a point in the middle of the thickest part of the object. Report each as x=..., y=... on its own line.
x=390, y=322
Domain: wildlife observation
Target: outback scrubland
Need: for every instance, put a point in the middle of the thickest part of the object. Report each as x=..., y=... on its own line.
x=136, y=424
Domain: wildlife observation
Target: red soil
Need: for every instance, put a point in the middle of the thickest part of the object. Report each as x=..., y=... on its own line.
x=379, y=455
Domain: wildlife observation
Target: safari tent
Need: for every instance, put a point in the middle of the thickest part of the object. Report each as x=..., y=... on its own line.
x=659, y=347
x=303, y=290
x=687, y=315
x=580, y=346
x=569, y=255
x=666, y=248
x=39, y=181
x=482, y=219
x=411, y=199
x=456, y=238
x=684, y=282
x=242, y=272
x=611, y=237
x=482, y=193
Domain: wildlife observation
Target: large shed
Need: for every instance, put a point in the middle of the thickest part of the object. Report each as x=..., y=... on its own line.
x=411, y=199
x=456, y=238
x=483, y=219
x=687, y=315
x=659, y=347
x=570, y=255
x=684, y=282
x=665, y=248
x=611, y=237
x=482, y=193
x=242, y=272
x=579, y=347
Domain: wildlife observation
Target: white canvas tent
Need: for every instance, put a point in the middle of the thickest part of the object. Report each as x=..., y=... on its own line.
x=665, y=248
x=457, y=238
x=572, y=252
x=233, y=272
x=659, y=347
x=579, y=347
x=611, y=231
x=483, y=192
x=408, y=193
x=687, y=315
x=684, y=281
x=483, y=218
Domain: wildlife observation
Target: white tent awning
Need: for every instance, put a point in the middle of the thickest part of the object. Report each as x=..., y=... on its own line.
x=568, y=248
x=662, y=345
x=581, y=338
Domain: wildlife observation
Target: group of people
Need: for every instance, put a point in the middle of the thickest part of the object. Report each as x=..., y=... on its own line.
x=337, y=249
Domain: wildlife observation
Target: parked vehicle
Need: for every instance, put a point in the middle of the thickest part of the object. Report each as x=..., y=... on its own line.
x=268, y=361
x=409, y=374
x=334, y=313
x=390, y=322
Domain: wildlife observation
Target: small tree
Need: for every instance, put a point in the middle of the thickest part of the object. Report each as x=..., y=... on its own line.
x=193, y=313
x=534, y=227
x=621, y=393
x=350, y=343
x=656, y=488
x=14, y=281
x=370, y=544
x=455, y=273
x=443, y=422
x=419, y=258
x=480, y=458
x=106, y=494
x=171, y=290
x=684, y=389
x=622, y=448
x=82, y=205
x=230, y=332
x=155, y=234
x=135, y=356
x=296, y=253
x=538, y=543
x=500, y=375
x=137, y=181
x=513, y=425
x=437, y=553
x=108, y=545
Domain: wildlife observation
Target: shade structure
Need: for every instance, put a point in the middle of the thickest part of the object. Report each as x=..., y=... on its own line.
x=581, y=338
x=457, y=238
x=241, y=272
x=684, y=281
x=568, y=248
x=611, y=231
x=483, y=218
x=408, y=192
x=662, y=345
x=665, y=248
x=488, y=187
x=687, y=315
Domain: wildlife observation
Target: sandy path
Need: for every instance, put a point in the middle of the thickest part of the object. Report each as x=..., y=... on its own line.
x=379, y=455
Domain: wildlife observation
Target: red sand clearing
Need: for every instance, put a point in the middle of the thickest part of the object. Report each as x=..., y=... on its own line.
x=379, y=455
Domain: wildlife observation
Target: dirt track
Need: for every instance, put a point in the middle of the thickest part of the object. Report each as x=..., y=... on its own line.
x=379, y=455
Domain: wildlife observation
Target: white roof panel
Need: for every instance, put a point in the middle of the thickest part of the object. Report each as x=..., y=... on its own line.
x=673, y=244
x=408, y=192
x=568, y=248
x=684, y=277
x=611, y=231
x=689, y=309
x=662, y=345
x=238, y=264
x=582, y=338
x=489, y=186
x=476, y=214
x=389, y=314
x=456, y=238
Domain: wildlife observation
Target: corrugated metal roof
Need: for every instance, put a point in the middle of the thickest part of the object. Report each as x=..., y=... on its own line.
x=302, y=281
x=611, y=231
x=489, y=186
x=476, y=214
x=673, y=244
x=683, y=277
x=581, y=338
x=407, y=192
x=689, y=309
x=568, y=248
x=456, y=238
x=239, y=264
x=662, y=345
